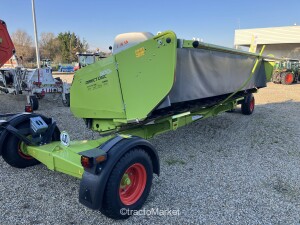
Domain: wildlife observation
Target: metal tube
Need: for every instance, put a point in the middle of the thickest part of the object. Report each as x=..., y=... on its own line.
x=35, y=36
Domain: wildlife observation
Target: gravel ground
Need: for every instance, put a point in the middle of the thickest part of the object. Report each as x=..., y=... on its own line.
x=64, y=77
x=231, y=169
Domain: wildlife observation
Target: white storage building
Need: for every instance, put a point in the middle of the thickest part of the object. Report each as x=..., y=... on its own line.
x=279, y=41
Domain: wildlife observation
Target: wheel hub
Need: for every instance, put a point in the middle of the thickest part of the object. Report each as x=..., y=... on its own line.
x=289, y=78
x=125, y=180
x=132, y=184
x=22, y=148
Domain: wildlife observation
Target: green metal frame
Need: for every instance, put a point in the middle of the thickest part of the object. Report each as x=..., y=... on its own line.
x=66, y=159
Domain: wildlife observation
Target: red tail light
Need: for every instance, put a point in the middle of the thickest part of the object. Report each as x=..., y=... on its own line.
x=86, y=162
x=28, y=108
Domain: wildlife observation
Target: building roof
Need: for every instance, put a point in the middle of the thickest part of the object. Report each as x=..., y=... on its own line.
x=270, y=35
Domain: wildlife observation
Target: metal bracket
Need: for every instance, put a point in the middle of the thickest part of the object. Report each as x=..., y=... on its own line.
x=49, y=133
x=174, y=124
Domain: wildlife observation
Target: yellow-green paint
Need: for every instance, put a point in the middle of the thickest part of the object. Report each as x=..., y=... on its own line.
x=114, y=90
x=147, y=78
x=96, y=92
x=62, y=158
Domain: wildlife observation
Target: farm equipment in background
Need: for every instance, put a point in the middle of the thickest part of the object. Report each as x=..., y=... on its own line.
x=13, y=62
x=35, y=83
x=286, y=71
x=65, y=68
x=46, y=63
x=7, y=48
x=85, y=59
x=150, y=85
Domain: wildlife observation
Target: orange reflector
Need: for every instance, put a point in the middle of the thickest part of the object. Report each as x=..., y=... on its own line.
x=101, y=158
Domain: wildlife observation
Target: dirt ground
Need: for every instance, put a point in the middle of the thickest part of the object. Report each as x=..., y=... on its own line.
x=276, y=93
x=65, y=77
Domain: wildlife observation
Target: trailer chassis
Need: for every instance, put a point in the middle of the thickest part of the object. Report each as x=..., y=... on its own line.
x=93, y=161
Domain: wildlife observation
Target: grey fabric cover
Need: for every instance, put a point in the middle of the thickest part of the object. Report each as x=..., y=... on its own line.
x=202, y=73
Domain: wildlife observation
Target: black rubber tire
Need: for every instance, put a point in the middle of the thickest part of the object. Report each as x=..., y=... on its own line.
x=296, y=78
x=39, y=96
x=66, y=102
x=10, y=151
x=248, y=105
x=275, y=78
x=112, y=203
x=58, y=79
x=283, y=79
x=34, y=102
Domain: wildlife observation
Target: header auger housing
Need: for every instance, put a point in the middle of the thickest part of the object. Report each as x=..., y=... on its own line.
x=150, y=85
x=157, y=76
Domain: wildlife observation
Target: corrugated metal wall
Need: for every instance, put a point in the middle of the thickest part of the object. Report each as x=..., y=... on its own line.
x=282, y=50
x=272, y=35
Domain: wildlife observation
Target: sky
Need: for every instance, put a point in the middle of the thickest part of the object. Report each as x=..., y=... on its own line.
x=99, y=21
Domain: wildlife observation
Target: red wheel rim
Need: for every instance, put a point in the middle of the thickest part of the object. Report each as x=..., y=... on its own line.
x=252, y=104
x=21, y=153
x=133, y=184
x=289, y=78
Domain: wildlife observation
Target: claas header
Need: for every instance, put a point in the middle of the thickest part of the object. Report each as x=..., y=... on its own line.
x=149, y=85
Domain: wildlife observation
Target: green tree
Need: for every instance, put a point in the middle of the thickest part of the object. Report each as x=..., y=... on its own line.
x=69, y=44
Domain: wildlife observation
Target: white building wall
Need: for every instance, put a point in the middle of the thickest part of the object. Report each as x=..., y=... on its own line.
x=272, y=35
x=279, y=41
x=282, y=50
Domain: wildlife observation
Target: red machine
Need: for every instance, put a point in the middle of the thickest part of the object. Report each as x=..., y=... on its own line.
x=7, y=48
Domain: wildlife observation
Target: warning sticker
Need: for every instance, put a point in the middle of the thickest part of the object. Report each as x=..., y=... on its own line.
x=140, y=52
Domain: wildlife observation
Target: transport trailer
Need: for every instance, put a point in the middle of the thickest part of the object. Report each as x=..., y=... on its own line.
x=150, y=85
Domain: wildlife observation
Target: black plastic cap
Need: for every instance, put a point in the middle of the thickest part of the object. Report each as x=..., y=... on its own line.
x=195, y=44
